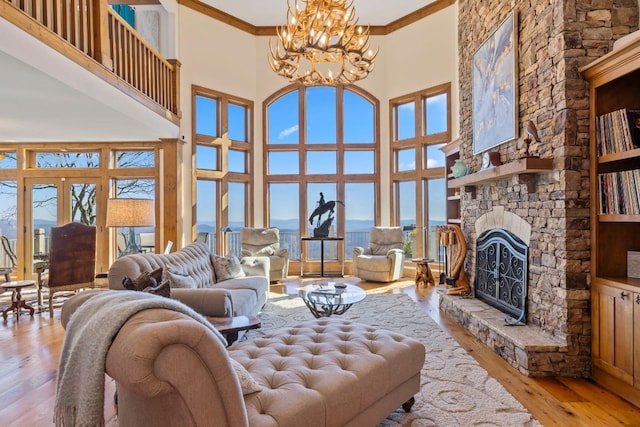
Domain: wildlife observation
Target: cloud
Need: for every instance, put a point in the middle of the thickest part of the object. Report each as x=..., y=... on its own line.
x=409, y=106
x=432, y=163
x=287, y=132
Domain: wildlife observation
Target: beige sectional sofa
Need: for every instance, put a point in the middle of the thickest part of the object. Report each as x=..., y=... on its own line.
x=210, y=297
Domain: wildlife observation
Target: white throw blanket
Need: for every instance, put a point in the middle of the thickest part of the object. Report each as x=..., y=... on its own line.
x=89, y=334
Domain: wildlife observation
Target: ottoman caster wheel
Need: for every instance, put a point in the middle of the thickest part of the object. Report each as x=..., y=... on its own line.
x=408, y=404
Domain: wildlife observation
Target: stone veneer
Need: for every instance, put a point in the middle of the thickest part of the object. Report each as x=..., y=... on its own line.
x=555, y=38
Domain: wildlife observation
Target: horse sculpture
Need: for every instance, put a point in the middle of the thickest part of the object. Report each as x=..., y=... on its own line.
x=322, y=229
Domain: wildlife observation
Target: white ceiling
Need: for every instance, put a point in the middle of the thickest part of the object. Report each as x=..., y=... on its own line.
x=274, y=12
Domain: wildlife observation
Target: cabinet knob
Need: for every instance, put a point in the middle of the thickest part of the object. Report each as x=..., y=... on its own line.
x=623, y=294
x=637, y=299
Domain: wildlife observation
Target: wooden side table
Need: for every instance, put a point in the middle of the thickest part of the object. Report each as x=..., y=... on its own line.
x=17, y=303
x=229, y=327
x=423, y=272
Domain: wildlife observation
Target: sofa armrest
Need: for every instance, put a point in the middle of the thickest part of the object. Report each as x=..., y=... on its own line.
x=282, y=252
x=206, y=301
x=256, y=266
x=178, y=369
x=397, y=262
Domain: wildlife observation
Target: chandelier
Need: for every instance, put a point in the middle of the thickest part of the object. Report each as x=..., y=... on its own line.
x=322, y=45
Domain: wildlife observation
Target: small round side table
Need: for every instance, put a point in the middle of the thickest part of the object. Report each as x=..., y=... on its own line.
x=16, y=301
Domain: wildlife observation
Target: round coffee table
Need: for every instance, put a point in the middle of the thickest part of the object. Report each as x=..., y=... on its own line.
x=324, y=299
x=17, y=302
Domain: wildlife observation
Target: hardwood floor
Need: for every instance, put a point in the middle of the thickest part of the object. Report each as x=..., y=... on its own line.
x=30, y=350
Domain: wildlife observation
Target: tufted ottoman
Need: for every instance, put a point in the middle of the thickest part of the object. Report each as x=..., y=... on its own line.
x=329, y=372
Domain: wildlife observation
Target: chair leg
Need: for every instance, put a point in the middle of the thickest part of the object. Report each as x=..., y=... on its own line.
x=50, y=303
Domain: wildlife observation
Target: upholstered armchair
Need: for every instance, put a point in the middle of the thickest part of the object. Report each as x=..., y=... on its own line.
x=383, y=260
x=265, y=242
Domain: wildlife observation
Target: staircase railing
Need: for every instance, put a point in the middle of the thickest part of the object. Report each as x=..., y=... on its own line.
x=93, y=28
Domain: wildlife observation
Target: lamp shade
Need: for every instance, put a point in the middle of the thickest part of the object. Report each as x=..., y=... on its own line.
x=131, y=213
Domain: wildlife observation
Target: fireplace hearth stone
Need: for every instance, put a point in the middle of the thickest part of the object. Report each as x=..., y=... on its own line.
x=527, y=348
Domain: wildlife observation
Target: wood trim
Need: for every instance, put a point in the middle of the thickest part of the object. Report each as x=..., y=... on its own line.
x=374, y=30
x=221, y=16
x=417, y=15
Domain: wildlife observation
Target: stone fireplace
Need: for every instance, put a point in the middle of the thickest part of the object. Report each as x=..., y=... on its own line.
x=528, y=348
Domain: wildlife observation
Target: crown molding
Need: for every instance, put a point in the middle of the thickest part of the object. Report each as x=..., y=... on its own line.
x=376, y=30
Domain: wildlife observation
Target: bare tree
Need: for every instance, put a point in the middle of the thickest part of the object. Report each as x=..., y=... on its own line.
x=83, y=196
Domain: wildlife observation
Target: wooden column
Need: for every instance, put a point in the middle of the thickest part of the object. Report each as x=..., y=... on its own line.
x=169, y=192
x=102, y=51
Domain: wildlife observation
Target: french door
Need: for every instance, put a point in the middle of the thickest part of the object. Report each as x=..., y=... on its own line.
x=50, y=202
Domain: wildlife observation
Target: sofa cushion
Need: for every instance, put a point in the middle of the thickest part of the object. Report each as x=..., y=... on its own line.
x=374, y=263
x=247, y=383
x=163, y=289
x=178, y=277
x=226, y=267
x=143, y=281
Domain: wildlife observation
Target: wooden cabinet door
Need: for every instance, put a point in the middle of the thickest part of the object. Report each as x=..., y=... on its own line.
x=615, y=331
x=636, y=340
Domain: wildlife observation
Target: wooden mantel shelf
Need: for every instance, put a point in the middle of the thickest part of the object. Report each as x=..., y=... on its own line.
x=525, y=168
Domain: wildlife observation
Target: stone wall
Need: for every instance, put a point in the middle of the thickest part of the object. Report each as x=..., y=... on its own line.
x=555, y=38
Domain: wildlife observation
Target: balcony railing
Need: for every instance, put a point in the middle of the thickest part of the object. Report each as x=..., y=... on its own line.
x=97, y=31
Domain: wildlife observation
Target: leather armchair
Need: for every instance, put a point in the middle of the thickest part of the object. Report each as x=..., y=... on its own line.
x=383, y=260
x=265, y=242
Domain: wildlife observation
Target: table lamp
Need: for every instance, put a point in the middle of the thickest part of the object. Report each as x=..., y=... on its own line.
x=131, y=213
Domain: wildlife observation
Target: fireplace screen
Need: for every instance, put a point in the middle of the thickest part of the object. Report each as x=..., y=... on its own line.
x=502, y=273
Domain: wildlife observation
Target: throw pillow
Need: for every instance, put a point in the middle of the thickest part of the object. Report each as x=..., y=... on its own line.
x=178, y=278
x=143, y=281
x=163, y=289
x=266, y=251
x=247, y=383
x=226, y=268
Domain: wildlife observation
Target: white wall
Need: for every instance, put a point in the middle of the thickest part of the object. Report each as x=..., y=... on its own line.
x=220, y=57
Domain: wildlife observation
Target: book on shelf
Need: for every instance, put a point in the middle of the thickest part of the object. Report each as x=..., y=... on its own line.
x=619, y=192
x=618, y=131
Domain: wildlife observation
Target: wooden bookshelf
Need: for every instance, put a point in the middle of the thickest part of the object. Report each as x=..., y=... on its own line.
x=614, y=83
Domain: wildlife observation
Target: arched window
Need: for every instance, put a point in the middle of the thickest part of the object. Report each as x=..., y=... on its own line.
x=322, y=140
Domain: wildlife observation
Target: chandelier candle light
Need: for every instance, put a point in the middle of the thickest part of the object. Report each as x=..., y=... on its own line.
x=322, y=44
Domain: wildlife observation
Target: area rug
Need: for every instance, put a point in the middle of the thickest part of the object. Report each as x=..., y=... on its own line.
x=455, y=390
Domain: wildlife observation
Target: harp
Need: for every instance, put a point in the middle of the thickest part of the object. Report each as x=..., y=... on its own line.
x=455, y=252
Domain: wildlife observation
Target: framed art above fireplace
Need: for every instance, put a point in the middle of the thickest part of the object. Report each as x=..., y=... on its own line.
x=495, y=89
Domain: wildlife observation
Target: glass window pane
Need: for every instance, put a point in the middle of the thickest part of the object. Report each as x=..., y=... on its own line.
x=360, y=214
x=282, y=120
x=206, y=116
x=237, y=115
x=406, y=160
x=436, y=112
x=83, y=203
x=406, y=200
x=321, y=162
x=283, y=163
x=44, y=214
x=135, y=159
x=236, y=215
x=317, y=193
x=359, y=162
x=358, y=119
x=321, y=115
x=8, y=219
x=406, y=126
x=237, y=161
x=434, y=156
x=206, y=203
x=435, y=214
x=68, y=160
x=283, y=213
x=206, y=157
x=8, y=160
